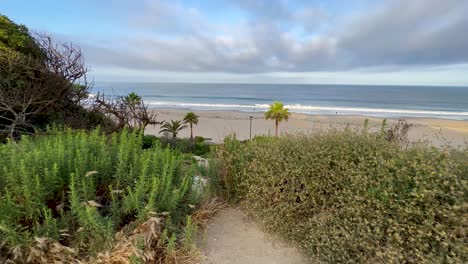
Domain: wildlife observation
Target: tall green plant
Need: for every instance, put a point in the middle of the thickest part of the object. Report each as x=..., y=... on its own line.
x=278, y=113
x=79, y=188
x=192, y=119
x=173, y=127
x=132, y=99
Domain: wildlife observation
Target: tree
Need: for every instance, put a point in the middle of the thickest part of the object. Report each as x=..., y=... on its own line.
x=133, y=99
x=17, y=38
x=278, y=113
x=24, y=93
x=39, y=78
x=125, y=111
x=41, y=82
x=173, y=127
x=192, y=119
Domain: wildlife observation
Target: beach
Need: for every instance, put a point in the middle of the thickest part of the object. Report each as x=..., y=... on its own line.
x=219, y=124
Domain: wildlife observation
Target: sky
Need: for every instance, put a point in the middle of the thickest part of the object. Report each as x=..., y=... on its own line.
x=395, y=42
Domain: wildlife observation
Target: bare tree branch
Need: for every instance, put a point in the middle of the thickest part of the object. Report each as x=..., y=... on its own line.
x=30, y=86
x=125, y=113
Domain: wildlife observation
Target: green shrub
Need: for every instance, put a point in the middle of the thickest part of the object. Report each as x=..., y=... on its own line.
x=42, y=82
x=351, y=196
x=80, y=188
x=231, y=158
x=201, y=149
x=185, y=145
x=199, y=139
x=149, y=141
x=190, y=234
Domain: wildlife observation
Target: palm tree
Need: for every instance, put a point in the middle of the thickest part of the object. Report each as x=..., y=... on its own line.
x=173, y=127
x=278, y=113
x=133, y=99
x=191, y=118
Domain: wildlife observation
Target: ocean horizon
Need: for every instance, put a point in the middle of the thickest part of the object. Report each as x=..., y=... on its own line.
x=388, y=101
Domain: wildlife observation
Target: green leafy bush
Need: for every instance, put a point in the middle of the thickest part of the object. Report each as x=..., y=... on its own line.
x=17, y=38
x=351, y=196
x=149, y=141
x=197, y=147
x=43, y=82
x=231, y=157
x=199, y=139
x=201, y=149
x=80, y=188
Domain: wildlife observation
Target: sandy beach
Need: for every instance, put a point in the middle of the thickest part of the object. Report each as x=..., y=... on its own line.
x=218, y=124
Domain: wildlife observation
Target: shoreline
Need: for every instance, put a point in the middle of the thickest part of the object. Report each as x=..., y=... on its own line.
x=217, y=125
x=187, y=109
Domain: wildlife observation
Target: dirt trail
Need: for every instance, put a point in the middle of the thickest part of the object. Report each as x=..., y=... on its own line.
x=232, y=238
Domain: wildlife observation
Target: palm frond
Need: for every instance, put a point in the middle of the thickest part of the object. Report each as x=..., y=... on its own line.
x=191, y=118
x=173, y=127
x=277, y=112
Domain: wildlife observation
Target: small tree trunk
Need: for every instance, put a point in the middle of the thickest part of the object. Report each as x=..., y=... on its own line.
x=191, y=131
x=172, y=142
x=276, y=132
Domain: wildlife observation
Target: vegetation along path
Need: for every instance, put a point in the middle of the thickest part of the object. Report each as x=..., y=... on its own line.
x=233, y=238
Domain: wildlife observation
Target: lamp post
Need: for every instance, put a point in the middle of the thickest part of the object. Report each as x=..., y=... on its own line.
x=250, y=119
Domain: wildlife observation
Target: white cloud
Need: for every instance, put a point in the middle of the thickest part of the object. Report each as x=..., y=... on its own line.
x=393, y=36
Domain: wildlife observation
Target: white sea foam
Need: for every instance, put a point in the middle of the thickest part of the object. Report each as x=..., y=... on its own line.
x=310, y=109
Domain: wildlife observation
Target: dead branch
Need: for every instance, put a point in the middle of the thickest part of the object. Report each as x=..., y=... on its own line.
x=125, y=114
x=398, y=132
x=31, y=87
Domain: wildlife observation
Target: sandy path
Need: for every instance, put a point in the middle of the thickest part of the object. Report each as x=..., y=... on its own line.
x=232, y=238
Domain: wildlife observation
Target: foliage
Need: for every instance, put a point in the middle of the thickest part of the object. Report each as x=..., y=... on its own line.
x=132, y=99
x=353, y=196
x=173, y=127
x=192, y=119
x=197, y=147
x=201, y=148
x=149, y=141
x=80, y=188
x=190, y=234
x=40, y=80
x=200, y=139
x=278, y=113
x=17, y=38
x=214, y=184
x=127, y=112
x=231, y=157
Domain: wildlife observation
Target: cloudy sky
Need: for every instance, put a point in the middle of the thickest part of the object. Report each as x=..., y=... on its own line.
x=261, y=41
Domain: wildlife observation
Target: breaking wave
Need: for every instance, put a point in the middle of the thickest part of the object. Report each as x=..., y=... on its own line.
x=311, y=109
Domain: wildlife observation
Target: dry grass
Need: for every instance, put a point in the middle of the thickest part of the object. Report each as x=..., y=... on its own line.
x=154, y=252
x=143, y=245
x=126, y=249
x=44, y=250
x=206, y=211
x=148, y=234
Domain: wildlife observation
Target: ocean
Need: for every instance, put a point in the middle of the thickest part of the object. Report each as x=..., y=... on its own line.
x=367, y=100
